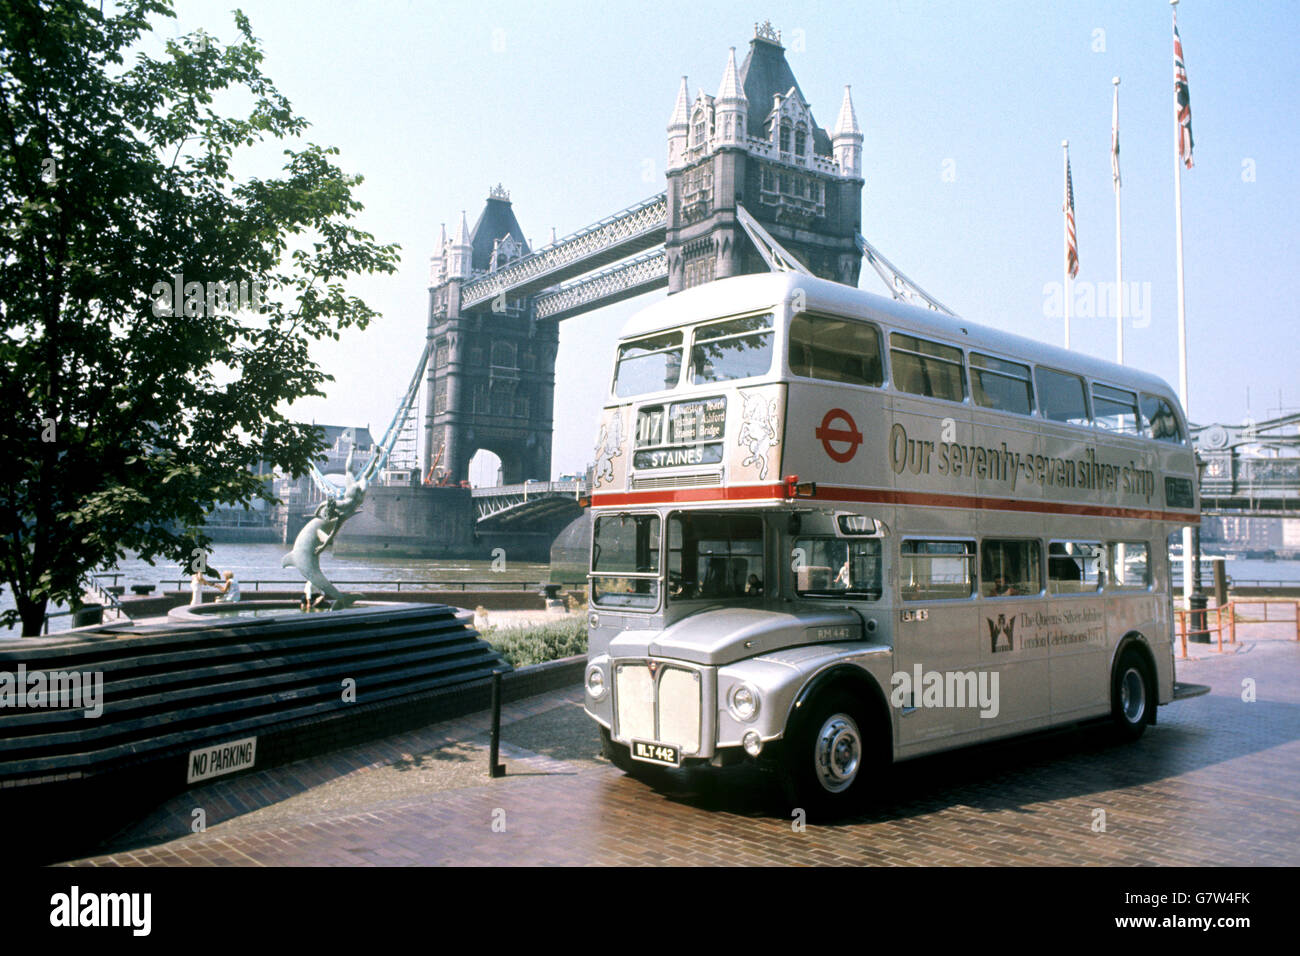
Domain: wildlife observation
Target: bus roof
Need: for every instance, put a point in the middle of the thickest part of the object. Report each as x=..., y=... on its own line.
x=738, y=294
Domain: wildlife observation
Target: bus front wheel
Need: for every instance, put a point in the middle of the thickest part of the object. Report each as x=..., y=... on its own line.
x=1132, y=696
x=829, y=757
x=615, y=753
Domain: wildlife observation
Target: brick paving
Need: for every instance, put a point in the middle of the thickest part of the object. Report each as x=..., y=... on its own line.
x=1216, y=782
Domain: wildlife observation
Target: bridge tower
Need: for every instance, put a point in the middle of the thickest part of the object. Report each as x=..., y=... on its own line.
x=757, y=144
x=491, y=378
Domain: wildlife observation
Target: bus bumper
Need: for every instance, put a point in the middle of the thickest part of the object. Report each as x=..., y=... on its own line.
x=1184, y=691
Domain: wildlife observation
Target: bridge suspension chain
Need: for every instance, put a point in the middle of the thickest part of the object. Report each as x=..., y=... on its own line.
x=902, y=288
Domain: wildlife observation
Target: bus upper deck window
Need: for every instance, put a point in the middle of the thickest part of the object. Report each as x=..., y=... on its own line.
x=835, y=350
x=1161, y=422
x=1115, y=409
x=928, y=368
x=997, y=383
x=648, y=365
x=736, y=348
x=1061, y=397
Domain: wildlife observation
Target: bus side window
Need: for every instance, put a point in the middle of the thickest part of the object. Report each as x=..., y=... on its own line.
x=1061, y=397
x=1129, y=564
x=936, y=570
x=1161, y=422
x=1074, y=567
x=1010, y=568
x=835, y=350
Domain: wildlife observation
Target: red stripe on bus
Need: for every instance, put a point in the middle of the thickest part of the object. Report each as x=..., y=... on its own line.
x=878, y=496
x=927, y=499
x=674, y=495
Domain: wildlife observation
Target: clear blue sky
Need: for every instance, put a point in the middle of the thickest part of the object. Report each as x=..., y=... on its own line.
x=566, y=104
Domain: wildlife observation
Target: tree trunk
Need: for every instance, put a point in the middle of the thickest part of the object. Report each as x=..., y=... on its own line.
x=33, y=615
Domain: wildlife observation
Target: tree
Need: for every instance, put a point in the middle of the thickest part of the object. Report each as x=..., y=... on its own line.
x=128, y=410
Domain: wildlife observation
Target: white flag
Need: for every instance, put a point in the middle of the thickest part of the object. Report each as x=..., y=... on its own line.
x=1114, y=140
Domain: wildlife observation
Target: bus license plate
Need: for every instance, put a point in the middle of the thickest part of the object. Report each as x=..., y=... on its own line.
x=663, y=754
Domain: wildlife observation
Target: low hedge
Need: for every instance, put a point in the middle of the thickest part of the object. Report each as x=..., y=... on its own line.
x=538, y=643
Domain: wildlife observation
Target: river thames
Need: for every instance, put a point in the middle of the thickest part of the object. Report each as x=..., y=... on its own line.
x=261, y=562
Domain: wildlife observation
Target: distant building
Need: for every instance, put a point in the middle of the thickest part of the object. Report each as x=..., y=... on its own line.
x=341, y=440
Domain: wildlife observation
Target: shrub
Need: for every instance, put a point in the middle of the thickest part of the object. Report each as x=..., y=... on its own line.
x=538, y=643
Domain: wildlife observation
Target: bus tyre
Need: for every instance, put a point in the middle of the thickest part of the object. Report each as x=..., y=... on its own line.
x=828, y=757
x=1132, y=695
x=616, y=754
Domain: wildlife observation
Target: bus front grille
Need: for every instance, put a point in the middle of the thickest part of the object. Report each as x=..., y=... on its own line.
x=664, y=706
x=712, y=479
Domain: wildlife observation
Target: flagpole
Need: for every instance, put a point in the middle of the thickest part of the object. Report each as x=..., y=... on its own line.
x=1065, y=172
x=1119, y=255
x=1189, y=585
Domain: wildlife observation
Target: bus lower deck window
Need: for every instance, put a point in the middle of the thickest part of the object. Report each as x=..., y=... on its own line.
x=1130, y=565
x=1010, y=568
x=936, y=570
x=1074, y=567
x=833, y=567
x=714, y=556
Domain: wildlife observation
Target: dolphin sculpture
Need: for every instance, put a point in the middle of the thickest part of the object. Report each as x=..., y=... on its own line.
x=319, y=533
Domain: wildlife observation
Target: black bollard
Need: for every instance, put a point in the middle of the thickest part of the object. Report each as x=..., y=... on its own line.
x=495, y=769
x=1197, y=631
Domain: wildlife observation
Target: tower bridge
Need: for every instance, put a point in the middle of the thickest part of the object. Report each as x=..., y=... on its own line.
x=750, y=162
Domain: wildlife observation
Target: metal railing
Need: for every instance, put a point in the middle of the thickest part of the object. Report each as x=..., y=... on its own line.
x=106, y=597
x=633, y=277
x=1184, y=630
x=631, y=229
x=495, y=584
x=1187, y=628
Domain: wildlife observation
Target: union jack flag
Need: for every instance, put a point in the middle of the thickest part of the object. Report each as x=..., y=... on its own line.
x=1182, y=100
x=1071, y=243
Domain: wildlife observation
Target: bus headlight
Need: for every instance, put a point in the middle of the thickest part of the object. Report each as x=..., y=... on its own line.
x=743, y=703
x=596, y=682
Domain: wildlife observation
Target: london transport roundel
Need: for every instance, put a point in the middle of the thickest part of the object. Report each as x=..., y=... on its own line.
x=839, y=435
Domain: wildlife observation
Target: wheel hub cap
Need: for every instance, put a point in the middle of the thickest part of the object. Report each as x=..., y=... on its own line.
x=838, y=753
x=1132, y=695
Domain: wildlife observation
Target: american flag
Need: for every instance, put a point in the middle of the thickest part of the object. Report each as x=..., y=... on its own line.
x=1071, y=243
x=1182, y=100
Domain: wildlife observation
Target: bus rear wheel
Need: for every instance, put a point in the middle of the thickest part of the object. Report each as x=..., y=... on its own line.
x=1132, y=696
x=829, y=758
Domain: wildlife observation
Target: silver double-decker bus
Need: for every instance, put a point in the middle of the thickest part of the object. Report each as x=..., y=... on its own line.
x=832, y=532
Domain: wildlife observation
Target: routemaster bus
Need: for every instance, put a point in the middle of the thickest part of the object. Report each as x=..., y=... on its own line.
x=832, y=531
